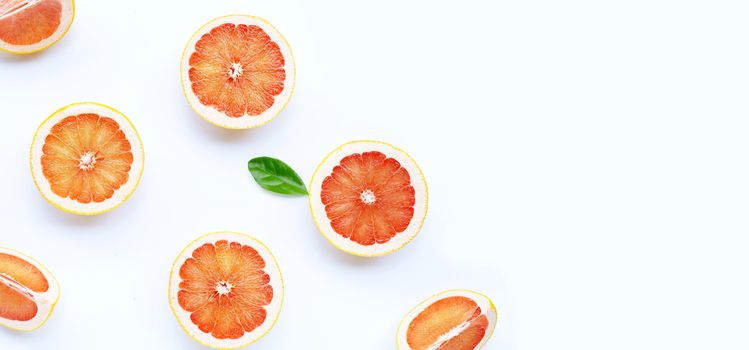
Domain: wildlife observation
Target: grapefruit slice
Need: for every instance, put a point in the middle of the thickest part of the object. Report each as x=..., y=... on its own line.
x=368, y=198
x=86, y=158
x=225, y=289
x=28, y=26
x=28, y=291
x=451, y=320
x=238, y=72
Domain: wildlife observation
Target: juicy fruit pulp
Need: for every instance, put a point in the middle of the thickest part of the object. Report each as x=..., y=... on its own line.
x=368, y=198
x=32, y=25
x=452, y=320
x=17, y=278
x=226, y=290
x=429, y=327
x=237, y=72
x=27, y=294
x=86, y=157
x=26, y=22
x=237, y=69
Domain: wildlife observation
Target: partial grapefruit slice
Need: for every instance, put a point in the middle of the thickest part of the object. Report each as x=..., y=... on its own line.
x=368, y=198
x=28, y=26
x=28, y=291
x=86, y=158
x=226, y=290
x=238, y=72
x=451, y=320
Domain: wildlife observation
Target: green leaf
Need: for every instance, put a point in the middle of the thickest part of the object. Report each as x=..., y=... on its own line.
x=276, y=176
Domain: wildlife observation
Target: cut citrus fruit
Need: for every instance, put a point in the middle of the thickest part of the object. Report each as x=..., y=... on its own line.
x=238, y=72
x=451, y=320
x=226, y=290
x=28, y=26
x=28, y=291
x=368, y=198
x=86, y=158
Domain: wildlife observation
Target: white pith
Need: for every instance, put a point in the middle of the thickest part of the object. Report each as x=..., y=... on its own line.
x=66, y=20
x=45, y=301
x=368, y=197
x=273, y=309
x=235, y=71
x=88, y=160
x=318, y=208
x=247, y=121
x=70, y=205
x=487, y=309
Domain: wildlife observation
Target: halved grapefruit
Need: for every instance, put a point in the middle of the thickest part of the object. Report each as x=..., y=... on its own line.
x=226, y=290
x=238, y=72
x=86, y=158
x=28, y=26
x=451, y=320
x=28, y=291
x=368, y=198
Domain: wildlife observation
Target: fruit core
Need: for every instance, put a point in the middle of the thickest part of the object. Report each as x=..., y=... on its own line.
x=223, y=288
x=368, y=197
x=235, y=71
x=88, y=159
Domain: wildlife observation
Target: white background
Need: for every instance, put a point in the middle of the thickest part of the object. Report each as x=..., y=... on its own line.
x=587, y=164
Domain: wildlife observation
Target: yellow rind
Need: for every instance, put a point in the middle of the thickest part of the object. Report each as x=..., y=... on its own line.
x=491, y=305
x=54, y=303
x=171, y=274
x=360, y=254
x=64, y=33
x=182, y=80
x=67, y=210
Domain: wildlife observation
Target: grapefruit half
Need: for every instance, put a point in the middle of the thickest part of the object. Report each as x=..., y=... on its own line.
x=28, y=26
x=368, y=198
x=238, y=72
x=86, y=158
x=226, y=290
x=28, y=291
x=451, y=320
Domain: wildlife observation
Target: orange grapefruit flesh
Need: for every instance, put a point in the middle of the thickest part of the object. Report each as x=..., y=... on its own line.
x=225, y=289
x=32, y=25
x=26, y=22
x=451, y=320
x=441, y=317
x=86, y=157
x=368, y=198
x=17, y=276
x=237, y=69
x=237, y=72
x=27, y=292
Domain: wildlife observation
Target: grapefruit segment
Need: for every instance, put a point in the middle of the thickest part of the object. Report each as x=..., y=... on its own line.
x=451, y=320
x=368, y=198
x=237, y=72
x=226, y=290
x=28, y=26
x=86, y=158
x=28, y=291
